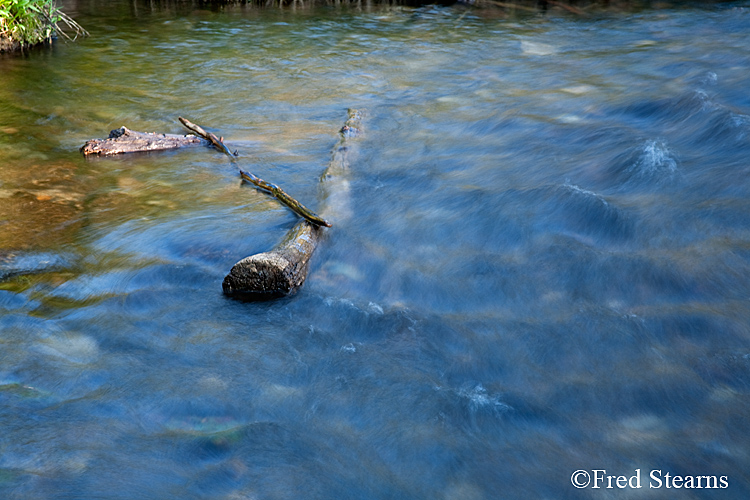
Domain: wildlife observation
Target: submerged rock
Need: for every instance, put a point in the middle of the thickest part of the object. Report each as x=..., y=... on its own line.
x=12, y=264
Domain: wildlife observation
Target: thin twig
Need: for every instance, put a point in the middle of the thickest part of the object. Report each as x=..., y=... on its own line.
x=69, y=22
x=284, y=198
x=217, y=143
x=273, y=189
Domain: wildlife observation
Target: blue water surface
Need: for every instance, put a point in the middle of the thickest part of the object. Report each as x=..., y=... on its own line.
x=538, y=262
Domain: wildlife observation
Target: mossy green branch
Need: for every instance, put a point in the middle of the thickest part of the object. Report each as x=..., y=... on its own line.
x=280, y=194
x=28, y=22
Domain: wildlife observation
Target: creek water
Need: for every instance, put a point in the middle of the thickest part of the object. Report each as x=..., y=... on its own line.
x=541, y=265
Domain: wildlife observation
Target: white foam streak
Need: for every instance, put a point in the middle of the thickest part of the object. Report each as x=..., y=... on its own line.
x=655, y=158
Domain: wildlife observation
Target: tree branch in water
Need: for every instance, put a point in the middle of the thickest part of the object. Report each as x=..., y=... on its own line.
x=217, y=143
x=284, y=198
x=273, y=189
x=283, y=270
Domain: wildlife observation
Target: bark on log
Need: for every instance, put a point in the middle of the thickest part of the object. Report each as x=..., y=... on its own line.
x=124, y=140
x=284, y=269
x=276, y=273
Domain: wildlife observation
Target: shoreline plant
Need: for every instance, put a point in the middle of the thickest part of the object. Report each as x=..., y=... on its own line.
x=24, y=23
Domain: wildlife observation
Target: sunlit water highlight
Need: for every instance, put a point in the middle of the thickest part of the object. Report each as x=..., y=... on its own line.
x=543, y=266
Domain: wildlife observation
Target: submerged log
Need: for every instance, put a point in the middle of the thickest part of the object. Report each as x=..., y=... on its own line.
x=284, y=269
x=124, y=140
x=276, y=273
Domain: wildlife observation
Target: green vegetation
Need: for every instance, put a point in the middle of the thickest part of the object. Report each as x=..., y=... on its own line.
x=29, y=22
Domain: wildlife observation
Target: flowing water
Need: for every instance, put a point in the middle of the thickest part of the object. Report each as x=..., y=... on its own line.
x=541, y=265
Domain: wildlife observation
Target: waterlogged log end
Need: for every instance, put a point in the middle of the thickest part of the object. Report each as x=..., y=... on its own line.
x=277, y=273
x=265, y=276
